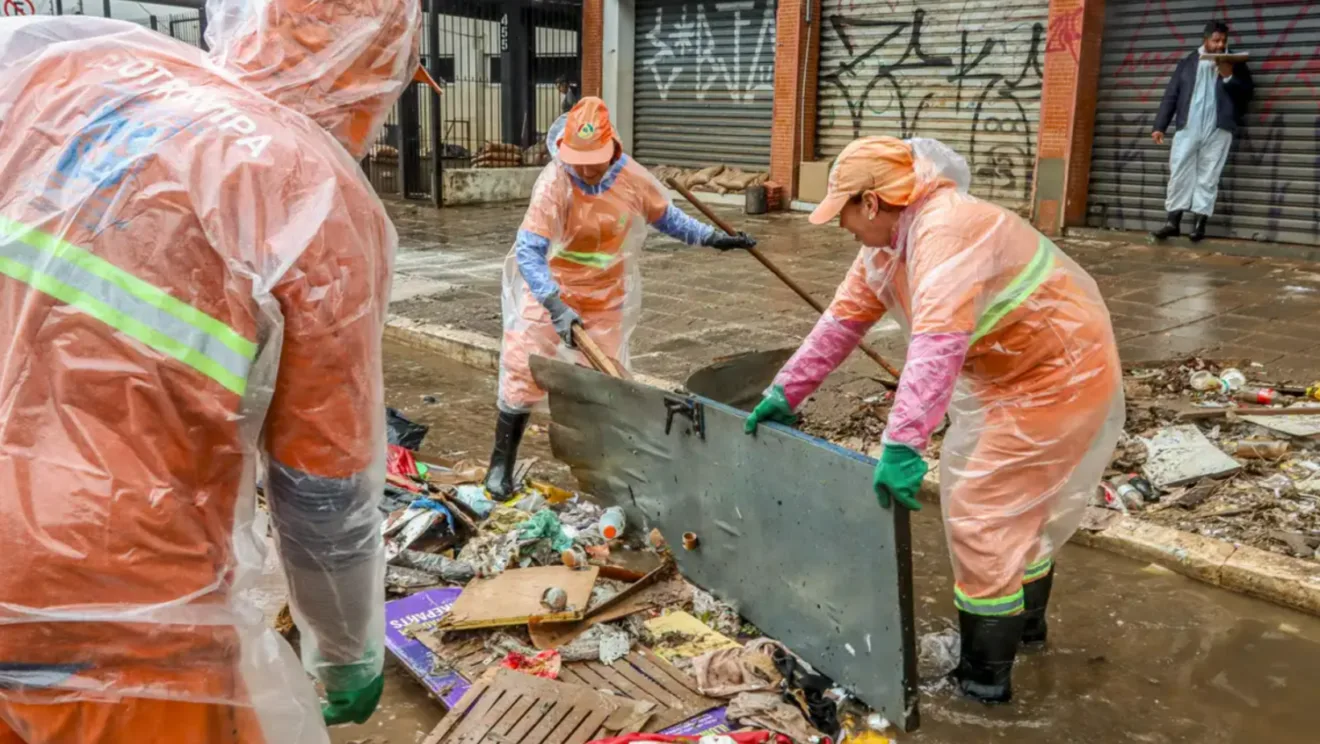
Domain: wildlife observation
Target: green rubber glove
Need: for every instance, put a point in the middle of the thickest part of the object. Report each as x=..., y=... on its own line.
x=898, y=475
x=352, y=706
x=773, y=407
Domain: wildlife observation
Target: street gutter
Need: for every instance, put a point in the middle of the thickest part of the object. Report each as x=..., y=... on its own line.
x=1283, y=580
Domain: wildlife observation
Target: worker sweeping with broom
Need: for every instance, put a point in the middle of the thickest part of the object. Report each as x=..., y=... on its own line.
x=1009, y=337
x=574, y=263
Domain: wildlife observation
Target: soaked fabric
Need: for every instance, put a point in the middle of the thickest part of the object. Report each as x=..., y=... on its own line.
x=1012, y=338
x=193, y=280
x=581, y=242
x=1199, y=150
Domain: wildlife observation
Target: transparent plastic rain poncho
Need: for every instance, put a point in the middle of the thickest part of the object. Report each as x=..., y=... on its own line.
x=582, y=242
x=1012, y=339
x=193, y=284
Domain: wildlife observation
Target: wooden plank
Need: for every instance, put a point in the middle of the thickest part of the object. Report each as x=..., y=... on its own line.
x=514, y=598
x=559, y=708
x=686, y=680
x=492, y=717
x=653, y=690
x=568, y=673
x=652, y=591
x=658, y=675
x=568, y=724
x=472, y=721
x=618, y=682
x=456, y=713
x=540, y=709
x=513, y=717
x=589, y=728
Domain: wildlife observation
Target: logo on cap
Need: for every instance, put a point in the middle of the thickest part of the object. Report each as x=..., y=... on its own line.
x=587, y=131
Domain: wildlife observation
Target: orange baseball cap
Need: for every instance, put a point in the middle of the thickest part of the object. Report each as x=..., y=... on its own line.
x=588, y=137
x=879, y=164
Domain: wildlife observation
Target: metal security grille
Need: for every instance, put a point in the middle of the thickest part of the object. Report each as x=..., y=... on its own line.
x=703, y=87
x=965, y=72
x=1270, y=189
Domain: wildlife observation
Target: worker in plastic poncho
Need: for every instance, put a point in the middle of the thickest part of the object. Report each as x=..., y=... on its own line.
x=193, y=284
x=575, y=263
x=1012, y=339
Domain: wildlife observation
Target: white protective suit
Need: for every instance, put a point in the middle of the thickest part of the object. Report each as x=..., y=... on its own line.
x=1199, y=151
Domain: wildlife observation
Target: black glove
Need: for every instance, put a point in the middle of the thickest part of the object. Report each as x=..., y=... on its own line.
x=724, y=242
x=564, y=317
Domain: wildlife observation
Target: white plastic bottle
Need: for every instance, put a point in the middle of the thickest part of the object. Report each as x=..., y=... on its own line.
x=612, y=523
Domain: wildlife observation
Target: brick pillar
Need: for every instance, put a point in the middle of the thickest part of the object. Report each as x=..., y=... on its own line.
x=793, y=132
x=1067, y=113
x=593, y=32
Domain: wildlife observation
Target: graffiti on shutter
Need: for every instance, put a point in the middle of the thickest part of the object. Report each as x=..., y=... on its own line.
x=967, y=73
x=683, y=38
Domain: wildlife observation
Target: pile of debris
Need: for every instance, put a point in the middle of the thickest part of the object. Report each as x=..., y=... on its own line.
x=503, y=155
x=1208, y=447
x=548, y=599
x=1224, y=453
x=721, y=179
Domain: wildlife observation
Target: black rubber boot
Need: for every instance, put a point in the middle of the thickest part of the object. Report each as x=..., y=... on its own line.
x=1037, y=597
x=989, y=645
x=509, y=430
x=1172, y=227
x=1198, y=228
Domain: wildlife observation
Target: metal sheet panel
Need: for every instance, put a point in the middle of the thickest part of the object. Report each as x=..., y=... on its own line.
x=1270, y=189
x=703, y=88
x=966, y=72
x=788, y=524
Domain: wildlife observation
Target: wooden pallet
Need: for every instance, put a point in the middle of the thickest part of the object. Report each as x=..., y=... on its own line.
x=508, y=707
x=640, y=676
x=645, y=677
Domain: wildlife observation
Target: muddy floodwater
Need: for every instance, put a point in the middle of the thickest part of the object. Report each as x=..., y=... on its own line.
x=1136, y=653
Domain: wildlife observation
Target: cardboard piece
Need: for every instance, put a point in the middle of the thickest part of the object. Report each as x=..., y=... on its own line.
x=514, y=598
x=699, y=638
x=1305, y=427
x=813, y=180
x=508, y=707
x=672, y=590
x=448, y=685
x=1182, y=454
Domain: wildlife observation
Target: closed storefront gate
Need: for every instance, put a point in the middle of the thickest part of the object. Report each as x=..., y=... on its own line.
x=703, y=86
x=966, y=72
x=1269, y=190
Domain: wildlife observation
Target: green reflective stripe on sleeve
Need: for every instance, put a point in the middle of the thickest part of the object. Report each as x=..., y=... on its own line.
x=1017, y=292
x=152, y=295
x=594, y=260
x=122, y=322
x=1037, y=570
x=991, y=607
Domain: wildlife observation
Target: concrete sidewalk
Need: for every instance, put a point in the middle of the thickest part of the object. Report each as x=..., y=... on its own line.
x=700, y=304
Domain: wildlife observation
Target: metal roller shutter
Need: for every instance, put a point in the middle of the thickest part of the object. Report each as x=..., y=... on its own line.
x=703, y=87
x=966, y=72
x=1270, y=189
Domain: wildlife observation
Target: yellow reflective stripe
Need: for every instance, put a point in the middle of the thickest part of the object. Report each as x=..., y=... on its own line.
x=594, y=260
x=152, y=295
x=991, y=606
x=122, y=322
x=1018, y=290
x=1037, y=570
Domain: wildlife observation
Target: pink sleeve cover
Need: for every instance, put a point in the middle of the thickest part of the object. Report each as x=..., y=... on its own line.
x=829, y=343
x=932, y=366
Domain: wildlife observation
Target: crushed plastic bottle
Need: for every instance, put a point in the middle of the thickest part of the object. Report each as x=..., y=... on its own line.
x=1206, y=382
x=474, y=498
x=1233, y=378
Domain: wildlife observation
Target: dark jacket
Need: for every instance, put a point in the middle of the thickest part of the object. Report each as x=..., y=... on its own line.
x=1231, y=98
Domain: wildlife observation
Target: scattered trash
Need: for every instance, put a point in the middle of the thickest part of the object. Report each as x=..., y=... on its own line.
x=544, y=525
x=475, y=498
x=1206, y=382
x=449, y=570
x=939, y=652
x=545, y=664
x=1261, y=449
x=555, y=599
x=1301, y=426
x=769, y=710
x=679, y=635
x=405, y=528
x=1233, y=379
x=612, y=523
x=402, y=432
x=1259, y=396
x=720, y=616
x=1182, y=454
x=727, y=672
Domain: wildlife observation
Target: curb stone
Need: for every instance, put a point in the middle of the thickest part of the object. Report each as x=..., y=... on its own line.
x=1283, y=580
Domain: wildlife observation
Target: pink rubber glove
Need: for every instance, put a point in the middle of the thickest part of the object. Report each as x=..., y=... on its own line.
x=926, y=387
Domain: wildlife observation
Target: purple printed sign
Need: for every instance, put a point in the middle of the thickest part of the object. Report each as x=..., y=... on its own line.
x=711, y=722
x=419, y=608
